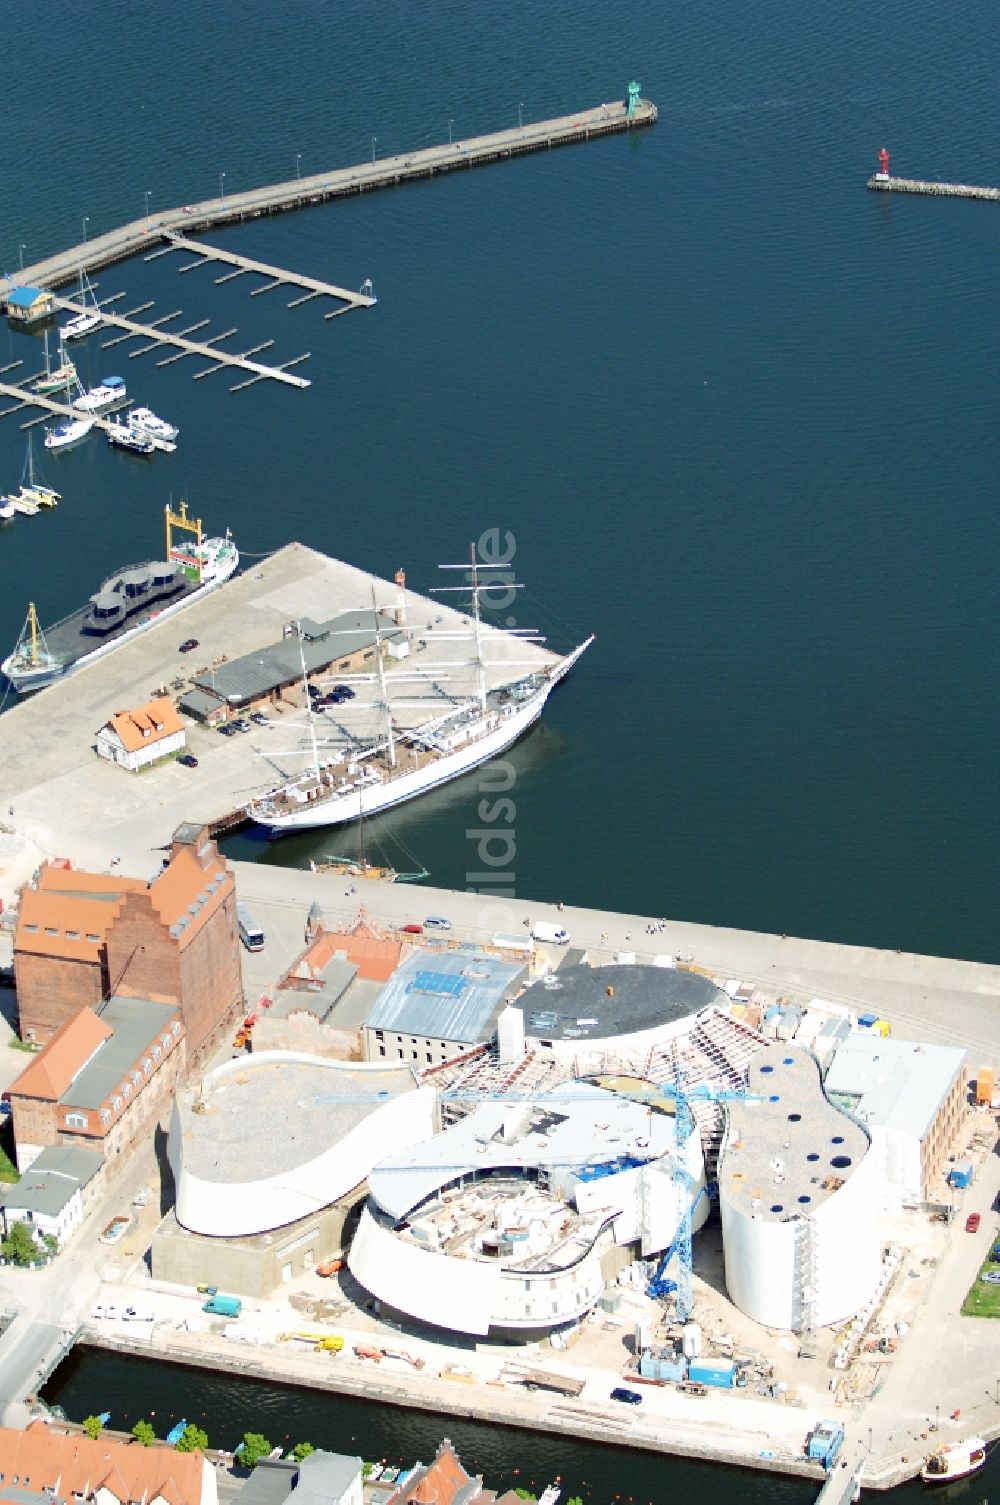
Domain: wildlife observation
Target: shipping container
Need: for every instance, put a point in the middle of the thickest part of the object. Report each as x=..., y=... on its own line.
x=663, y=1367
x=718, y=1372
x=985, y=1085
x=961, y=1174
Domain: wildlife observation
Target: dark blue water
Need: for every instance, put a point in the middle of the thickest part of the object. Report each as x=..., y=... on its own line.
x=739, y=414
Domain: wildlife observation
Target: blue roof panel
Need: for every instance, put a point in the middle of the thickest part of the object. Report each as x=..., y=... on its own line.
x=24, y=297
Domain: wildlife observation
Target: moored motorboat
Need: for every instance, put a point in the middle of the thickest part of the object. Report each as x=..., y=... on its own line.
x=105, y=395
x=123, y=436
x=954, y=1460
x=146, y=421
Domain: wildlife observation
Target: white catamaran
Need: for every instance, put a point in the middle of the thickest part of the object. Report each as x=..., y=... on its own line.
x=367, y=779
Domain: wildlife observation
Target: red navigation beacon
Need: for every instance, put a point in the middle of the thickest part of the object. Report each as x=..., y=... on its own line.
x=883, y=158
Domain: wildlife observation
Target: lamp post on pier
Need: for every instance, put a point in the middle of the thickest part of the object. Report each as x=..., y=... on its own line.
x=86, y=222
x=520, y=115
x=222, y=185
x=450, y=124
x=374, y=139
x=298, y=166
x=146, y=194
x=20, y=255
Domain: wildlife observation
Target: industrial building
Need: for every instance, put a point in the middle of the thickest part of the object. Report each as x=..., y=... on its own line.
x=914, y=1100
x=799, y=1195
x=347, y=643
x=438, y=1003
x=269, y=1154
x=102, y=1081
x=512, y=1221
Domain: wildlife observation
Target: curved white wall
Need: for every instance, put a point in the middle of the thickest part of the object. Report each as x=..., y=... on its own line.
x=226, y=1209
x=468, y=1295
x=588, y=1056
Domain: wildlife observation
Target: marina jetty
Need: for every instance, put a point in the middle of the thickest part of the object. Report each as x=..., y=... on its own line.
x=883, y=182
x=606, y=119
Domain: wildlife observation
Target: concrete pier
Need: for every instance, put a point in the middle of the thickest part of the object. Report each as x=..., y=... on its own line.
x=63, y=410
x=297, y=193
x=880, y=183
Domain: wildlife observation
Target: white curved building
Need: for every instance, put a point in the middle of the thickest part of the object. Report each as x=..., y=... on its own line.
x=514, y=1220
x=799, y=1195
x=275, y=1137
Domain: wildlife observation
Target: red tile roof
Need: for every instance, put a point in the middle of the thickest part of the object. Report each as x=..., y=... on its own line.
x=70, y=1048
x=147, y=724
x=42, y=1458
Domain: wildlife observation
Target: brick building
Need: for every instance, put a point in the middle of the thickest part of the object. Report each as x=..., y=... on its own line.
x=102, y=1081
x=83, y=936
x=62, y=1467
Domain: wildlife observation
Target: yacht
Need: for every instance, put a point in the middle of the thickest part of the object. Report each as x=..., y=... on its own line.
x=105, y=395
x=57, y=380
x=88, y=319
x=124, y=436
x=146, y=421
x=70, y=431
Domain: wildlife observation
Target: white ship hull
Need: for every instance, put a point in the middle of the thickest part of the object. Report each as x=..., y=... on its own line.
x=339, y=810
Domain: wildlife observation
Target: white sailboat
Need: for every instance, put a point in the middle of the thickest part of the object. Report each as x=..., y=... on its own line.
x=31, y=662
x=411, y=762
x=32, y=493
x=90, y=319
x=58, y=380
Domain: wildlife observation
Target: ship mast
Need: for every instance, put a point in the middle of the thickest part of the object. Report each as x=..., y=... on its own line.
x=33, y=620
x=383, y=687
x=480, y=665
x=308, y=699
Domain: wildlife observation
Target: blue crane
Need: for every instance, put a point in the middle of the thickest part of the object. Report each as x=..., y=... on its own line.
x=684, y=1199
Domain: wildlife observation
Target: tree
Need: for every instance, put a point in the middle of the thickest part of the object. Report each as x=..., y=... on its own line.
x=525, y=1494
x=300, y=1450
x=252, y=1449
x=574, y=1500
x=191, y=1438
x=51, y=1243
x=143, y=1432
x=93, y=1426
x=19, y=1247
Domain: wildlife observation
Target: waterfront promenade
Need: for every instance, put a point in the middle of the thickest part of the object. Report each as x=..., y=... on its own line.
x=296, y=193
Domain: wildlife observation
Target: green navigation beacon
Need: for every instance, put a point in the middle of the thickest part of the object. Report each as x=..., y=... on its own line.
x=633, y=99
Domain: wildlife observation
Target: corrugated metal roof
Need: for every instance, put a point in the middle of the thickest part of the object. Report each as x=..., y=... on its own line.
x=448, y=995
x=136, y=1023
x=257, y=674
x=53, y=1180
x=893, y=1083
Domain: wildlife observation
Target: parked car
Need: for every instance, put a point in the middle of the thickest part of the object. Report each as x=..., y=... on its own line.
x=259, y=718
x=345, y=691
x=972, y=1222
x=241, y=725
x=188, y=760
x=436, y=922
x=226, y=728
x=188, y=645
x=329, y=1267
x=314, y=691
x=991, y=1277
x=412, y=929
x=628, y=1397
x=105, y=1311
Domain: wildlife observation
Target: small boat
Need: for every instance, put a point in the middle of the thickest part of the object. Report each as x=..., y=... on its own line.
x=87, y=321
x=19, y=501
x=146, y=421
x=31, y=660
x=123, y=436
x=105, y=395
x=61, y=378
x=7, y=509
x=31, y=491
x=954, y=1460
x=70, y=431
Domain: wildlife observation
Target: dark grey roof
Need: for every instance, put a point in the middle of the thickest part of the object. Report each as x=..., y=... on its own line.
x=52, y=1180
x=136, y=1023
x=199, y=703
x=271, y=1482
x=591, y=1003
x=446, y=995
x=257, y=674
x=324, y=1478
x=317, y=998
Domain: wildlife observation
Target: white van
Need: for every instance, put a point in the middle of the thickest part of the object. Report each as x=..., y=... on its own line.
x=555, y=934
x=138, y=1314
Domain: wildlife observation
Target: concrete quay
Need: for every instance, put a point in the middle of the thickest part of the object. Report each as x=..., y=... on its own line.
x=880, y=183
x=296, y=193
x=61, y=799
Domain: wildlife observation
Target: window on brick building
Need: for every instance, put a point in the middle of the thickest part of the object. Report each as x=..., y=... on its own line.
x=105, y=1117
x=52, y=930
x=127, y=1090
x=147, y=1066
x=117, y=1104
x=73, y=935
x=157, y=1052
x=175, y=1028
x=137, y=1078
x=76, y=1120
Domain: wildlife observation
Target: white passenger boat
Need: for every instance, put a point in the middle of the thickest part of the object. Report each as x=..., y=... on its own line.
x=105, y=395
x=124, y=436
x=954, y=1460
x=371, y=778
x=146, y=421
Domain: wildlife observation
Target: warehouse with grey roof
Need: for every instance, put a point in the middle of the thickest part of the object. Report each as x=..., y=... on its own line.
x=438, y=1003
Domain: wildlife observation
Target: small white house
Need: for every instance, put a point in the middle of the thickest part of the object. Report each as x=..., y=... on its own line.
x=134, y=739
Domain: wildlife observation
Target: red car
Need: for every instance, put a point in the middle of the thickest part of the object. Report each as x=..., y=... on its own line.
x=412, y=929
x=972, y=1222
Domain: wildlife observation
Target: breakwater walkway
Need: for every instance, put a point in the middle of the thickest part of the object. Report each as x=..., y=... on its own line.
x=297, y=193
x=880, y=183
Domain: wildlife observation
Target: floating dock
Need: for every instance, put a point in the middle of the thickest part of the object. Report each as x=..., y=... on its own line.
x=627, y=114
x=103, y=420
x=883, y=184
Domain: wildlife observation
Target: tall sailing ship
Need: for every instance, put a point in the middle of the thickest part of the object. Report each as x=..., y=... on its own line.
x=127, y=603
x=367, y=778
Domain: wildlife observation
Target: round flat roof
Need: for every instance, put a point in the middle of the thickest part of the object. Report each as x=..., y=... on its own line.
x=599, y=1003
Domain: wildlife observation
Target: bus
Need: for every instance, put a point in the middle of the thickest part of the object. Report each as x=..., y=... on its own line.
x=250, y=932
